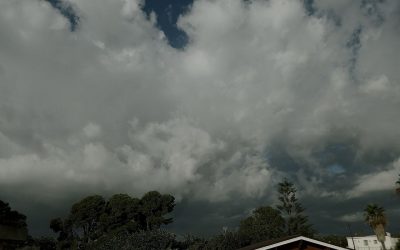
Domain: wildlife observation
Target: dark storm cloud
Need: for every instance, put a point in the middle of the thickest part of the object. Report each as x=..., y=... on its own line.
x=262, y=90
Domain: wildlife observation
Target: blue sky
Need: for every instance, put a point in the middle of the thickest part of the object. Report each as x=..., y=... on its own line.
x=168, y=13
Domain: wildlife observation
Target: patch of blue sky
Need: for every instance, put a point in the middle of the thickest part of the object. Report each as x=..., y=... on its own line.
x=67, y=11
x=168, y=12
x=336, y=169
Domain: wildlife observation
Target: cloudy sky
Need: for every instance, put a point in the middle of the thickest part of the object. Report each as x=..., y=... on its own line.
x=213, y=101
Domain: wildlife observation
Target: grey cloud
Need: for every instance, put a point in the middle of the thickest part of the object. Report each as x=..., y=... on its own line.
x=263, y=90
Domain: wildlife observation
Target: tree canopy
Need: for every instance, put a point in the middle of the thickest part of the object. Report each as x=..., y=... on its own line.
x=263, y=224
x=375, y=217
x=93, y=217
x=292, y=211
x=10, y=217
x=153, y=207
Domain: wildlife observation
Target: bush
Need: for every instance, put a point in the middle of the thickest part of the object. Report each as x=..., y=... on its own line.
x=143, y=240
x=397, y=247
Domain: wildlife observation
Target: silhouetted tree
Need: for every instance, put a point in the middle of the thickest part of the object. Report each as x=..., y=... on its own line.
x=192, y=242
x=122, y=212
x=337, y=240
x=375, y=217
x=10, y=217
x=228, y=240
x=397, y=246
x=264, y=223
x=142, y=240
x=85, y=217
x=14, y=232
x=45, y=243
x=292, y=211
x=153, y=208
x=92, y=217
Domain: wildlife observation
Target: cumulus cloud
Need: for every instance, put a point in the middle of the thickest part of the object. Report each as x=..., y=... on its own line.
x=376, y=181
x=263, y=89
x=174, y=156
x=358, y=216
x=92, y=130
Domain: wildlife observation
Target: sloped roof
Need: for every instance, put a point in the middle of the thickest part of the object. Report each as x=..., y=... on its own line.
x=270, y=244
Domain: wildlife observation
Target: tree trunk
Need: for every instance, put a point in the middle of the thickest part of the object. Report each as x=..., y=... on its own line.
x=380, y=234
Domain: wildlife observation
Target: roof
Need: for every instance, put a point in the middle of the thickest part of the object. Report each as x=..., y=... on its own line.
x=368, y=236
x=361, y=236
x=270, y=244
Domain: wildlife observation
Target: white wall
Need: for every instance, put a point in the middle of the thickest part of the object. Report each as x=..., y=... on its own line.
x=370, y=242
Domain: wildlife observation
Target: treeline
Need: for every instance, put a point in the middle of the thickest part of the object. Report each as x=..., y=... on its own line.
x=93, y=218
x=124, y=222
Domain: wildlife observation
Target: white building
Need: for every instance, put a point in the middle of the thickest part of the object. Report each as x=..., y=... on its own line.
x=370, y=242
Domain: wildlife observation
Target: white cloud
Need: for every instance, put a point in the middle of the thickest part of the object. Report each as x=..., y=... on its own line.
x=252, y=75
x=380, y=180
x=173, y=156
x=353, y=217
x=92, y=130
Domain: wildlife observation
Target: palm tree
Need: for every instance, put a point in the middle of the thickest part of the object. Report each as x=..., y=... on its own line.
x=374, y=216
x=398, y=185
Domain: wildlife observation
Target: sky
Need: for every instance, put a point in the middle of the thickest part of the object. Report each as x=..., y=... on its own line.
x=214, y=102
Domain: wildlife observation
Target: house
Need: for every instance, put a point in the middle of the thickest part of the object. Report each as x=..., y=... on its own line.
x=293, y=243
x=370, y=242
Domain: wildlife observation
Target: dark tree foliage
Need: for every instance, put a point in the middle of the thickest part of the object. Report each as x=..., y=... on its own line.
x=66, y=239
x=143, y=240
x=45, y=243
x=292, y=211
x=122, y=212
x=85, y=217
x=10, y=217
x=93, y=218
x=397, y=246
x=337, y=240
x=13, y=227
x=265, y=223
x=153, y=207
x=82, y=224
x=192, y=242
x=229, y=240
x=398, y=186
x=375, y=217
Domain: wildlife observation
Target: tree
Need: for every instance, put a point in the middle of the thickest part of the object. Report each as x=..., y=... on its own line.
x=398, y=185
x=153, y=208
x=375, y=217
x=228, y=240
x=45, y=243
x=122, y=212
x=92, y=217
x=66, y=238
x=295, y=221
x=265, y=223
x=85, y=217
x=13, y=227
x=191, y=242
x=10, y=217
x=397, y=246
x=337, y=240
x=82, y=225
x=142, y=240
